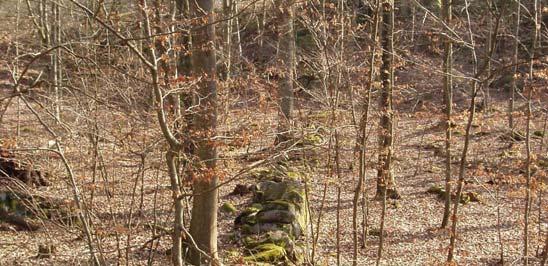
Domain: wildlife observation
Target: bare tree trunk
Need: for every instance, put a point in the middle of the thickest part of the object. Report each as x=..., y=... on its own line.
x=338, y=169
x=385, y=179
x=183, y=63
x=184, y=68
x=316, y=237
x=203, y=224
x=386, y=186
x=237, y=27
x=448, y=93
x=56, y=60
x=515, y=63
x=545, y=252
x=261, y=27
x=287, y=60
x=499, y=233
x=227, y=38
x=177, y=248
x=462, y=166
x=160, y=50
x=462, y=169
x=528, y=141
x=362, y=141
x=527, y=184
x=381, y=227
x=490, y=42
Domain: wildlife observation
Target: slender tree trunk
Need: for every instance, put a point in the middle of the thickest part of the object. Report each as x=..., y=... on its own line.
x=203, y=224
x=545, y=252
x=56, y=60
x=515, y=63
x=462, y=169
x=227, y=42
x=448, y=93
x=184, y=69
x=236, y=27
x=183, y=64
x=490, y=42
x=338, y=169
x=527, y=184
x=385, y=179
x=381, y=227
x=177, y=248
x=262, y=23
x=287, y=60
x=462, y=165
x=171, y=154
x=528, y=141
x=499, y=233
x=386, y=186
x=362, y=141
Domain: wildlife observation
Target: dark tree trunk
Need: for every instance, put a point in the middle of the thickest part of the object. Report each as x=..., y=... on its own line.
x=385, y=179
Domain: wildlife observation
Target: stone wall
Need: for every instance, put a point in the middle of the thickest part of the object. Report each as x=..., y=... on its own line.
x=273, y=226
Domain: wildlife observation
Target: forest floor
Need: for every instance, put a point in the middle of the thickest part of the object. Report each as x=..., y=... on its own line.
x=412, y=223
x=131, y=206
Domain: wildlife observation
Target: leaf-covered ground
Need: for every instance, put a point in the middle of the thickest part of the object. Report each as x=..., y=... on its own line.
x=130, y=202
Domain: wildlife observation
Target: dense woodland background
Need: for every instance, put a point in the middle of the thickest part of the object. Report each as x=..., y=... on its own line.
x=148, y=132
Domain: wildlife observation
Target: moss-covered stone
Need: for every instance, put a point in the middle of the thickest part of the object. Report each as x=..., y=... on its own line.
x=45, y=251
x=518, y=135
x=228, y=207
x=513, y=135
x=321, y=116
x=267, y=253
x=256, y=206
x=295, y=176
x=279, y=238
x=465, y=197
x=22, y=209
x=312, y=139
x=438, y=190
x=279, y=205
x=248, y=216
x=11, y=202
x=543, y=162
x=263, y=173
x=538, y=133
x=376, y=232
x=270, y=190
x=277, y=218
x=298, y=254
x=294, y=196
x=474, y=197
